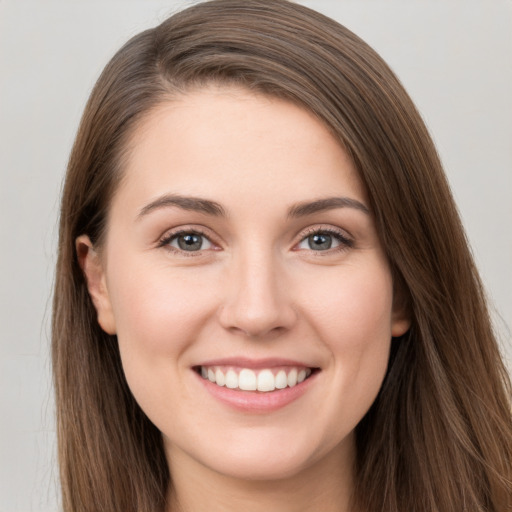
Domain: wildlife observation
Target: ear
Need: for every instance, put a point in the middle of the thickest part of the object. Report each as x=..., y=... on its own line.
x=401, y=314
x=92, y=267
x=400, y=324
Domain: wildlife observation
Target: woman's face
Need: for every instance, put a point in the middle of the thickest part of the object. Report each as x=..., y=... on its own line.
x=240, y=249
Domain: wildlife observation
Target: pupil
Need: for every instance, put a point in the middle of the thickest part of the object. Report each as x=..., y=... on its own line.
x=190, y=242
x=320, y=242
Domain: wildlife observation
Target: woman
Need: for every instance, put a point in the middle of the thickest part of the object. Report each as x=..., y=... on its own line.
x=264, y=296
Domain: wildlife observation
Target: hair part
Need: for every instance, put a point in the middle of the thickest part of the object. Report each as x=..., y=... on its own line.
x=438, y=437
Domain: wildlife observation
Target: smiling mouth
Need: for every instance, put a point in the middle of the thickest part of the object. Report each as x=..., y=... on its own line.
x=263, y=380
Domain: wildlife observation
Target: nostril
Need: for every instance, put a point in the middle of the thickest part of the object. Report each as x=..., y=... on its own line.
x=254, y=321
x=257, y=303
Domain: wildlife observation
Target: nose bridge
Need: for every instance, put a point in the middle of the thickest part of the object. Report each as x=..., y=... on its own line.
x=257, y=302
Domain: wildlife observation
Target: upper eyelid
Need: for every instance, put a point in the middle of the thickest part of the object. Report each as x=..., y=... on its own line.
x=170, y=234
x=324, y=228
x=345, y=240
x=192, y=228
x=215, y=239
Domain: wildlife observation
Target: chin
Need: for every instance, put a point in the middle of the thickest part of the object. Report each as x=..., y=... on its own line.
x=263, y=468
x=270, y=456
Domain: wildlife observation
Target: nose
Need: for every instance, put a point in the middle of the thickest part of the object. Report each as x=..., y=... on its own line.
x=257, y=303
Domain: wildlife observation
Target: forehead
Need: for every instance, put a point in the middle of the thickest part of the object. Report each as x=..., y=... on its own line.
x=224, y=140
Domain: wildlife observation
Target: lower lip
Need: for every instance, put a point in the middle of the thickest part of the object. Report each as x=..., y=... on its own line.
x=254, y=401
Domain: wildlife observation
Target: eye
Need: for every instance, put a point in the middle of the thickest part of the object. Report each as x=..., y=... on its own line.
x=188, y=241
x=323, y=240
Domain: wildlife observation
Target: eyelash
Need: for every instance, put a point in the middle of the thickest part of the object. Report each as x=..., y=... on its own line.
x=166, y=240
x=344, y=241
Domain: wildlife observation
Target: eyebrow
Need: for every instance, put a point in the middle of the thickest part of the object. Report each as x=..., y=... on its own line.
x=209, y=207
x=196, y=204
x=322, y=205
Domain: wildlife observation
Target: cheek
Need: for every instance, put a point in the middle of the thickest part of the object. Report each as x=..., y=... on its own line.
x=158, y=309
x=353, y=306
x=365, y=331
x=353, y=319
x=159, y=315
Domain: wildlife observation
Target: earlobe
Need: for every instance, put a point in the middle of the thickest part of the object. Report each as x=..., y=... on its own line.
x=92, y=267
x=399, y=325
x=401, y=315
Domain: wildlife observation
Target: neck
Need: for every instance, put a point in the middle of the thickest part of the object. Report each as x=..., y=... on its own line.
x=325, y=485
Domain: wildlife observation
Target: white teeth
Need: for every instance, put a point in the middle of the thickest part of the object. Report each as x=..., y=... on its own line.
x=250, y=380
x=292, y=378
x=281, y=380
x=219, y=378
x=231, y=379
x=266, y=381
x=247, y=380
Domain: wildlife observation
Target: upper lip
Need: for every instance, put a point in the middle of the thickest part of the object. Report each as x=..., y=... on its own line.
x=256, y=364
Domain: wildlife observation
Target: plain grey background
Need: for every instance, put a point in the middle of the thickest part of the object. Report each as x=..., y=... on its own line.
x=453, y=56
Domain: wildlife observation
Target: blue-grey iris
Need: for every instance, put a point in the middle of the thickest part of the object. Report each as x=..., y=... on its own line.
x=190, y=242
x=320, y=242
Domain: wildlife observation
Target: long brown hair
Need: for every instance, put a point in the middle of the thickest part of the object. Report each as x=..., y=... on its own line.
x=439, y=435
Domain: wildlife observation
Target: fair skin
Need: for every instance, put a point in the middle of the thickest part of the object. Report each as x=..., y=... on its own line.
x=221, y=256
